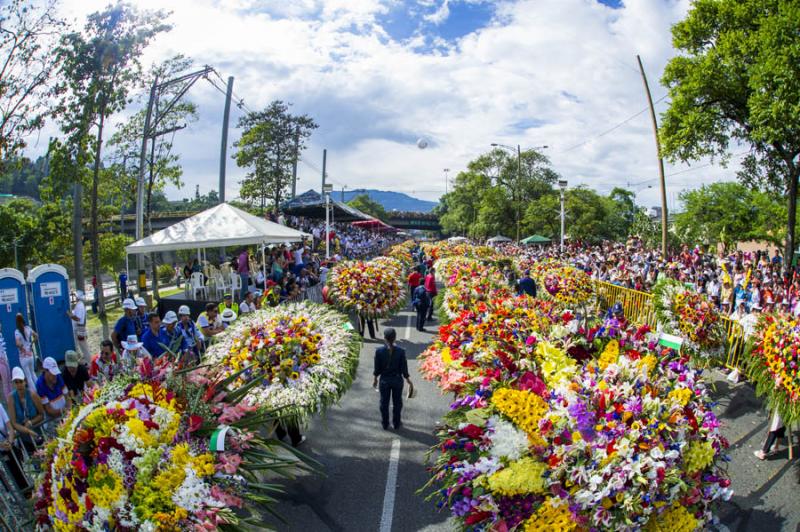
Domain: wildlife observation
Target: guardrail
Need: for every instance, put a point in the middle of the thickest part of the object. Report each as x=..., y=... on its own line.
x=638, y=307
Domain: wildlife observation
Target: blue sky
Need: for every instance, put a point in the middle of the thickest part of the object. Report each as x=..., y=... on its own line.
x=379, y=74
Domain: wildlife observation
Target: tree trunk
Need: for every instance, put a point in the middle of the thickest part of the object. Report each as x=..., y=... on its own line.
x=95, y=237
x=150, y=183
x=788, y=254
x=77, y=229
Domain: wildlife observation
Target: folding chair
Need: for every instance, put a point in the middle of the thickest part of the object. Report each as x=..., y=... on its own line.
x=197, y=285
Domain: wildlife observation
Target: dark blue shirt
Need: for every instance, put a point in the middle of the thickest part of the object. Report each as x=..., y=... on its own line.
x=392, y=364
x=125, y=327
x=527, y=286
x=152, y=342
x=421, y=297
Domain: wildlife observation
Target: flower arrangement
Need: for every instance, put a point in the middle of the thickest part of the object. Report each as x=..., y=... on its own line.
x=567, y=285
x=402, y=253
x=774, y=364
x=618, y=443
x=692, y=316
x=470, y=283
x=371, y=289
x=156, y=450
x=295, y=359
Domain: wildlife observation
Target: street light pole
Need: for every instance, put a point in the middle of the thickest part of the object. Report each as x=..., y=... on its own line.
x=562, y=184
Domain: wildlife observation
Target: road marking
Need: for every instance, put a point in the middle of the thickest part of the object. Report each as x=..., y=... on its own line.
x=391, y=487
x=408, y=326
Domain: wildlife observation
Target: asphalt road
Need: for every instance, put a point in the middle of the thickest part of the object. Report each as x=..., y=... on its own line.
x=356, y=453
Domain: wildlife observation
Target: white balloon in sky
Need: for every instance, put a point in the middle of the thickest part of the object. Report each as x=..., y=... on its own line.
x=422, y=143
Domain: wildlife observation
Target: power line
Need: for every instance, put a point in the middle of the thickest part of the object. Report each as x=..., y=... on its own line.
x=609, y=130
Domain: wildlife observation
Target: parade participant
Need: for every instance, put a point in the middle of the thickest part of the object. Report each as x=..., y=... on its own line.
x=777, y=431
x=75, y=377
x=209, y=321
x=142, y=316
x=227, y=302
x=249, y=304
x=155, y=339
x=12, y=455
x=391, y=367
x=227, y=317
x=526, y=285
x=421, y=301
x=176, y=341
x=193, y=337
x=133, y=350
x=51, y=389
x=244, y=272
x=78, y=317
x=104, y=364
x=126, y=324
x=24, y=407
x=430, y=286
x=413, y=282
x=24, y=337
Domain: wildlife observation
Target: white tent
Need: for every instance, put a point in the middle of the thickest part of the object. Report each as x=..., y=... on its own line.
x=220, y=226
x=498, y=239
x=456, y=239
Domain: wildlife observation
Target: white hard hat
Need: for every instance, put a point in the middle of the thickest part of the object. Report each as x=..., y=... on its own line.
x=140, y=302
x=170, y=317
x=183, y=310
x=129, y=304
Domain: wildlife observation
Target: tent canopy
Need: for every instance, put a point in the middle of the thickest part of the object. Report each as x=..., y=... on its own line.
x=536, y=239
x=311, y=204
x=220, y=226
x=457, y=239
x=498, y=238
x=374, y=223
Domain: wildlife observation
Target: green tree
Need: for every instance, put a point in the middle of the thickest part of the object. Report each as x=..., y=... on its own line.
x=589, y=216
x=727, y=213
x=645, y=228
x=267, y=149
x=27, y=34
x=99, y=67
x=737, y=81
x=367, y=205
x=621, y=209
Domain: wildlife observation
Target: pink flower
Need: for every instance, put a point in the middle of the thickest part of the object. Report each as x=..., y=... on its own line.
x=226, y=498
x=229, y=463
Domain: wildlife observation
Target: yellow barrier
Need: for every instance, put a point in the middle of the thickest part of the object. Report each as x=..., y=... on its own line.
x=638, y=307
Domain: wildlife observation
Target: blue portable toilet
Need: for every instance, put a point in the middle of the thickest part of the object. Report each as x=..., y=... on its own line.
x=48, y=290
x=13, y=300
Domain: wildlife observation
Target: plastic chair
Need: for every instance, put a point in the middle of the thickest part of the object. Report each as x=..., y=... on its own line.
x=220, y=286
x=197, y=285
x=236, y=285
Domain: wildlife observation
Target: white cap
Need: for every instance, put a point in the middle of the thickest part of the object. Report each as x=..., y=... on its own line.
x=184, y=310
x=129, y=304
x=132, y=342
x=228, y=315
x=170, y=318
x=17, y=374
x=51, y=365
x=140, y=302
x=80, y=295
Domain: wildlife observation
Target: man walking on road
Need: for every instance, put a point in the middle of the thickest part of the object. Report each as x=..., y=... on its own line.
x=391, y=367
x=421, y=301
x=430, y=286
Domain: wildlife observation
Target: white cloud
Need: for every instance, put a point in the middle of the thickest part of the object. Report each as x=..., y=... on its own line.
x=555, y=72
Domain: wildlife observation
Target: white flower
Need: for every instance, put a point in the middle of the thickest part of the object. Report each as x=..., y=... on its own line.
x=507, y=440
x=193, y=493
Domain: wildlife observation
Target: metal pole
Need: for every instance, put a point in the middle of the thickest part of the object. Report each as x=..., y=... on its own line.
x=296, y=157
x=519, y=180
x=223, y=150
x=660, y=163
x=324, y=163
x=140, y=184
x=327, y=224
x=562, y=220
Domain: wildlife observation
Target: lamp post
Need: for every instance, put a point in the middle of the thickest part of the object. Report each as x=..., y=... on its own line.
x=446, y=173
x=562, y=185
x=515, y=189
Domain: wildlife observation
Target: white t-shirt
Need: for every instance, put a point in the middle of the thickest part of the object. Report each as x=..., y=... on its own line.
x=244, y=308
x=25, y=340
x=298, y=256
x=80, y=312
x=202, y=321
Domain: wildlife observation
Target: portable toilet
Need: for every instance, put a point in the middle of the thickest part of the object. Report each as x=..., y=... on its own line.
x=13, y=301
x=48, y=289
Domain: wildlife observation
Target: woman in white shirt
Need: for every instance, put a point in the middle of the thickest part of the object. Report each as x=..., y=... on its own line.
x=24, y=337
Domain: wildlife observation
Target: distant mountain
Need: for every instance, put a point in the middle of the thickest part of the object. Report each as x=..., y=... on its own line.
x=391, y=201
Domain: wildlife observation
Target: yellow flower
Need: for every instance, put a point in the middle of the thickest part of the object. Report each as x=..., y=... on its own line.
x=698, y=456
x=674, y=519
x=524, y=408
x=550, y=518
x=609, y=355
x=521, y=477
x=681, y=395
x=105, y=486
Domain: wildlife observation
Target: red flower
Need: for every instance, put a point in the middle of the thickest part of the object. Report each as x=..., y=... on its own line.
x=471, y=431
x=195, y=422
x=476, y=517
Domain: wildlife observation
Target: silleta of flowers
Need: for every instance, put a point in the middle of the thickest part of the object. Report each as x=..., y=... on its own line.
x=469, y=282
x=774, y=365
x=370, y=289
x=566, y=284
x=153, y=451
x=402, y=253
x=691, y=316
x=294, y=359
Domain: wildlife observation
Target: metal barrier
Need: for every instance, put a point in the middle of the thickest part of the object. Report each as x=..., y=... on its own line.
x=638, y=307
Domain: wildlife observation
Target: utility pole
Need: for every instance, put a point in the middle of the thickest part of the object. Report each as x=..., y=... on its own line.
x=343, y=187
x=324, y=164
x=223, y=150
x=296, y=157
x=660, y=163
x=519, y=181
x=446, y=180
